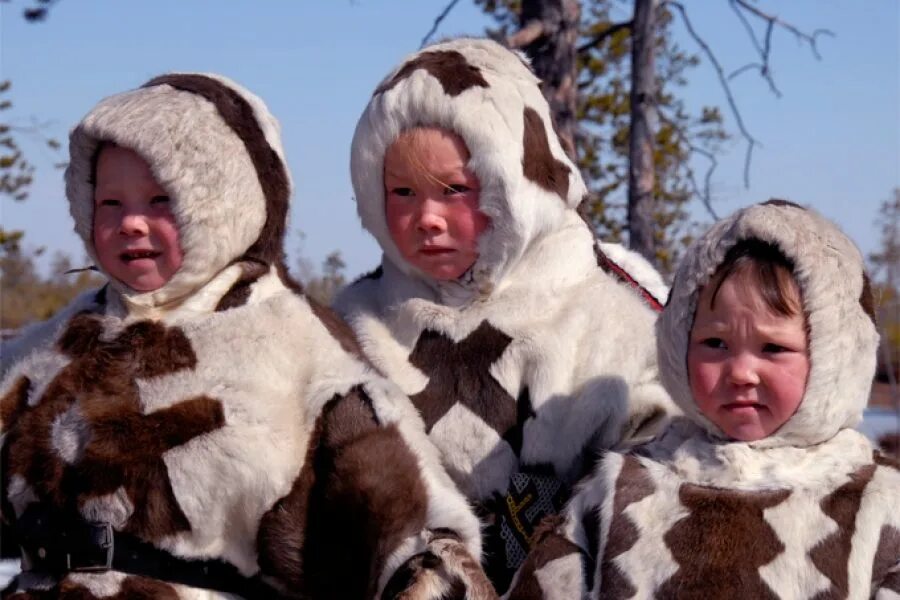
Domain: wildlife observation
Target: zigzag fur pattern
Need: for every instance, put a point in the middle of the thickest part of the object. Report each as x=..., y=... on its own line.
x=816, y=532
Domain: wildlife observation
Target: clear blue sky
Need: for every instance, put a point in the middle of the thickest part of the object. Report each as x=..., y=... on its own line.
x=832, y=140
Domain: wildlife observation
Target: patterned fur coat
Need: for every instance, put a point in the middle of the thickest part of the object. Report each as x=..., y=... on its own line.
x=535, y=357
x=809, y=512
x=223, y=417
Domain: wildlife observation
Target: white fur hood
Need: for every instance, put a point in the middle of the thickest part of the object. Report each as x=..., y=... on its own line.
x=489, y=96
x=837, y=303
x=216, y=149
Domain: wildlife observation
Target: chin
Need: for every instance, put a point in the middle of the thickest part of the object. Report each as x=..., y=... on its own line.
x=747, y=434
x=145, y=285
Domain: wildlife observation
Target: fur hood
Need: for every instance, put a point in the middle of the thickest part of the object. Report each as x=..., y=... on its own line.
x=489, y=96
x=216, y=149
x=837, y=303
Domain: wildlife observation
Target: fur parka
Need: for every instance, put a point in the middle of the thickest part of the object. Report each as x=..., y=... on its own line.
x=224, y=417
x=536, y=357
x=810, y=511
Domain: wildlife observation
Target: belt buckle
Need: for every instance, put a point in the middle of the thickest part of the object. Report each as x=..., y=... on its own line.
x=101, y=534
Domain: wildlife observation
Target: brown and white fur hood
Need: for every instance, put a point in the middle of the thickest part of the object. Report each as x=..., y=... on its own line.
x=223, y=417
x=810, y=512
x=535, y=357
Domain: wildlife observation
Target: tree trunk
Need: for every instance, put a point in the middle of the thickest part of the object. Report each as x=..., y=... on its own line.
x=549, y=36
x=640, y=158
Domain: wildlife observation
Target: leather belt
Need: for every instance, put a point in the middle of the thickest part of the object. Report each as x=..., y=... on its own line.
x=56, y=545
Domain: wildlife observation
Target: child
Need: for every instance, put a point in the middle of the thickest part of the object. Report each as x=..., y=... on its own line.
x=489, y=308
x=197, y=428
x=763, y=489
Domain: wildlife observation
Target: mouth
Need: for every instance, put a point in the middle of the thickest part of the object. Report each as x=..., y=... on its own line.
x=436, y=251
x=134, y=255
x=743, y=406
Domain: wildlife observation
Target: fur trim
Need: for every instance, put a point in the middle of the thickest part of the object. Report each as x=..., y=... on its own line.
x=216, y=149
x=837, y=303
x=489, y=97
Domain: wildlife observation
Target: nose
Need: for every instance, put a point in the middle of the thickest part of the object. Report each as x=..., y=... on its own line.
x=133, y=224
x=431, y=217
x=742, y=369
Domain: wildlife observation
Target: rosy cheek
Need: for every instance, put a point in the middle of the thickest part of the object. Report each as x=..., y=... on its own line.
x=702, y=376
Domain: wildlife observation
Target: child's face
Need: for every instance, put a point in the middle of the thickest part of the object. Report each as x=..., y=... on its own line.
x=135, y=235
x=431, y=202
x=747, y=365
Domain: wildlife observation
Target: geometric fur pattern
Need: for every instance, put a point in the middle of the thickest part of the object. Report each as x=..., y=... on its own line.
x=223, y=416
x=809, y=511
x=535, y=358
x=703, y=518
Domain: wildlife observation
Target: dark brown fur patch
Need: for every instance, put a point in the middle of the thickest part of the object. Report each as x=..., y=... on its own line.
x=14, y=403
x=112, y=443
x=449, y=67
x=867, y=298
x=239, y=115
x=892, y=582
x=548, y=544
x=538, y=163
x=459, y=373
x=711, y=562
x=780, y=202
x=886, y=557
x=831, y=555
x=885, y=460
x=238, y=294
x=357, y=497
x=632, y=485
x=338, y=329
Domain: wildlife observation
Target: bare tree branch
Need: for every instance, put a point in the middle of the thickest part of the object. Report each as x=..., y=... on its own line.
x=437, y=22
x=529, y=33
x=773, y=21
x=741, y=8
x=751, y=141
x=598, y=39
x=764, y=52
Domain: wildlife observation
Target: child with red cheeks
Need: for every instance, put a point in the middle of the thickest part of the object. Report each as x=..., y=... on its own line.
x=524, y=357
x=763, y=489
x=431, y=202
x=748, y=358
x=134, y=233
x=199, y=427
